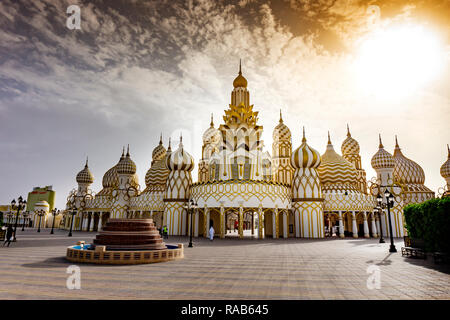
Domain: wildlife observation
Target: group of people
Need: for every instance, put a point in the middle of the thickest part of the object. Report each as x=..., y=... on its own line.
x=9, y=235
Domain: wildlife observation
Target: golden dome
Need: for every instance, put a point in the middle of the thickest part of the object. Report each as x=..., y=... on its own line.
x=85, y=175
x=406, y=170
x=126, y=165
x=382, y=159
x=159, y=152
x=156, y=176
x=111, y=178
x=281, y=132
x=335, y=170
x=305, y=156
x=240, y=81
x=350, y=146
x=445, y=169
x=180, y=160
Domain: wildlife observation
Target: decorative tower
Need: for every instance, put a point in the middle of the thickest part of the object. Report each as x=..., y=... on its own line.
x=211, y=139
x=350, y=152
x=156, y=176
x=384, y=164
x=307, y=201
x=126, y=169
x=281, y=153
x=180, y=164
x=445, y=173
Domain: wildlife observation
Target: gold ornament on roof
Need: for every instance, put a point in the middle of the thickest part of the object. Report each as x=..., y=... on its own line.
x=240, y=114
x=240, y=81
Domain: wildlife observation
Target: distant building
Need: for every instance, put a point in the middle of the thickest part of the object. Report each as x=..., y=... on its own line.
x=38, y=194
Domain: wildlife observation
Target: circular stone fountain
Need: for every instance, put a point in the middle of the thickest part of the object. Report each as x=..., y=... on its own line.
x=125, y=241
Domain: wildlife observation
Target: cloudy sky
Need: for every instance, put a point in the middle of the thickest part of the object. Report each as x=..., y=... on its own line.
x=139, y=68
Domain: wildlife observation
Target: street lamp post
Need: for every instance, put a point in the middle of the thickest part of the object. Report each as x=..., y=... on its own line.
x=40, y=213
x=20, y=205
x=55, y=212
x=381, y=228
x=191, y=205
x=72, y=213
x=25, y=217
x=389, y=204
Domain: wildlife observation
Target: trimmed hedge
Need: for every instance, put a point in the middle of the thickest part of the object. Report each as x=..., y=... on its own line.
x=430, y=221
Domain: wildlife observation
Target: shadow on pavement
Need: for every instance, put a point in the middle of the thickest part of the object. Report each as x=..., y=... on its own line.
x=56, y=262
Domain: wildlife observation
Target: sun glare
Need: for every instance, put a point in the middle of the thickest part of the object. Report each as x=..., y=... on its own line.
x=396, y=61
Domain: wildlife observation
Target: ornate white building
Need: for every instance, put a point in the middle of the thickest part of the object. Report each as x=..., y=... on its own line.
x=287, y=194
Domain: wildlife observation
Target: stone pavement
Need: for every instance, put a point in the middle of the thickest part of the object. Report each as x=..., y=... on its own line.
x=35, y=268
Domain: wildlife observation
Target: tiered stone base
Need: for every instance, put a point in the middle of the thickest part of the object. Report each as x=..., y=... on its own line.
x=130, y=234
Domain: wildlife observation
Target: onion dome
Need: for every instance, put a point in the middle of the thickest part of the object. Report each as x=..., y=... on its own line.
x=159, y=152
x=382, y=159
x=305, y=156
x=111, y=178
x=281, y=131
x=42, y=205
x=85, y=175
x=445, y=169
x=406, y=170
x=211, y=135
x=240, y=81
x=350, y=145
x=334, y=169
x=180, y=159
x=126, y=165
x=156, y=176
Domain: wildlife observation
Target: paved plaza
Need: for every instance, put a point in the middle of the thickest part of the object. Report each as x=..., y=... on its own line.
x=35, y=268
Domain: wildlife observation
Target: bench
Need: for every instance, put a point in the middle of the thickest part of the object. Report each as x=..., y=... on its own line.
x=414, y=248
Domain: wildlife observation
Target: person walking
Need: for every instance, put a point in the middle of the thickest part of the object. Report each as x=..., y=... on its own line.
x=9, y=235
x=211, y=233
x=166, y=234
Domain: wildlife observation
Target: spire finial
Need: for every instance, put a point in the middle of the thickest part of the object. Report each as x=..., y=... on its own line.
x=281, y=117
x=348, y=131
x=123, y=151
x=169, y=148
x=381, y=143
x=212, y=121
x=240, y=72
x=160, y=139
x=128, y=150
x=448, y=148
x=329, y=140
x=86, y=165
x=396, y=142
x=304, y=138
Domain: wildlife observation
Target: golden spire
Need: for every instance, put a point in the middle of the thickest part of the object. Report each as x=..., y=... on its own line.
x=86, y=165
x=281, y=117
x=304, y=138
x=396, y=143
x=240, y=81
x=128, y=151
x=348, y=131
x=212, y=122
x=160, y=139
x=381, y=144
x=123, y=152
x=448, y=148
x=169, y=148
x=329, y=140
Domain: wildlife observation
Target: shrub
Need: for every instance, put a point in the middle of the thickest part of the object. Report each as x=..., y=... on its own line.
x=430, y=221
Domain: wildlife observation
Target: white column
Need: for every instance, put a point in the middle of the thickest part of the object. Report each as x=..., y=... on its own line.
x=222, y=221
x=92, y=222
x=285, y=233
x=377, y=220
x=207, y=221
x=374, y=228
x=366, y=226
x=274, y=227
x=260, y=222
x=354, y=226
x=341, y=226
x=297, y=223
x=100, y=221
x=241, y=221
x=196, y=223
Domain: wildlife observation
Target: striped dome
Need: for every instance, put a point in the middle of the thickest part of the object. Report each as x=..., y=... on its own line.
x=211, y=135
x=406, y=170
x=156, y=176
x=126, y=165
x=350, y=145
x=334, y=169
x=445, y=169
x=85, y=175
x=159, y=152
x=382, y=159
x=305, y=156
x=281, y=132
x=180, y=160
x=111, y=178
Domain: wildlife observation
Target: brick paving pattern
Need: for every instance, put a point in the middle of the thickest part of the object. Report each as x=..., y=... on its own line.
x=35, y=268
